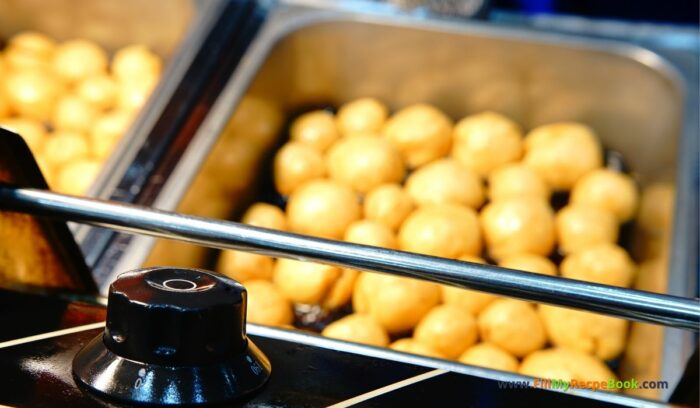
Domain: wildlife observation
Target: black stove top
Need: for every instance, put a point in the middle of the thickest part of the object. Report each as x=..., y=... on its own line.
x=41, y=334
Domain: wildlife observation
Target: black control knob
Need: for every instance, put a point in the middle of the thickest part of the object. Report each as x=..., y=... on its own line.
x=173, y=336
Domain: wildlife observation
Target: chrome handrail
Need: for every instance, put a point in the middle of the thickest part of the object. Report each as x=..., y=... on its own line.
x=631, y=304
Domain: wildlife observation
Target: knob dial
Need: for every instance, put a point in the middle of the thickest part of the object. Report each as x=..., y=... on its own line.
x=173, y=336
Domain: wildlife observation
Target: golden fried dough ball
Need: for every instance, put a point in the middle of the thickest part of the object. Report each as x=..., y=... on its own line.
x=600, y=335
x=369, y=232
x=470, y=301
x=359, y=232
x=518, y=225
x=421, y=132
x=72, y=113
x=99, y=90
x=562, y=153
x=62, y=147
x=237, y=156
x=580, y=226
x=322, y=208
x=18, y=60
x=529, y=263
x=611, y=190
x=78, y=59
x=364, y=115
x=341, y=292
x=184, y=255
x=445, y=230
x=76, y=177
x=29, y=50
x=266, y=216
x=47, y=168
x=259, y=119
x=32, y=131
x=244, y=266
x=565, y=364
x=364, y=232
x=484, y=141
x=33, y=42
x=32, y=93
x=512, y=325
x=267, y=305
x=515, y=180
x=602, y=263
x=135, y=63
x=397, y=303
x=304, y=282
x=388, y=204
x=643, y=356
x=107, y=130
x=364, y=162
x=489, y=356
x=295, y=164
x=409, y=345
x=4, y=102
x=656, y=208
x=652, y=275
x=206, y=198
x=132, y=96
x=358, y=328
x=445, y=181
x=447, y=329
x=316, y=129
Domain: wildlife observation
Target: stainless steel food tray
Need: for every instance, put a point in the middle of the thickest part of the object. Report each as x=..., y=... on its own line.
x=315, y=53
x=174, y=29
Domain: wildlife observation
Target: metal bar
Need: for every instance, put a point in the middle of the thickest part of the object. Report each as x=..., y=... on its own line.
x=615, y=301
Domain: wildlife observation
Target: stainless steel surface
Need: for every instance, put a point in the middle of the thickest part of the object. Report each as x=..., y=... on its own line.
x=171, y=28
x=453, y=8
x=177, y=62
x=615, y=301
x=229, y=26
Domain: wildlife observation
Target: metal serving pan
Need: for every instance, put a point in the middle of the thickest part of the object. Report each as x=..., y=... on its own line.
x=173, y=29
x=310, y=54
